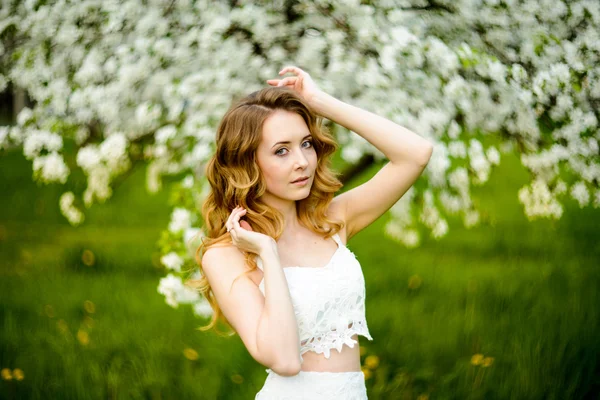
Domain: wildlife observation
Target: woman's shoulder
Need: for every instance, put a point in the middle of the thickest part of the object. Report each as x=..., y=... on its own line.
x=223, y=257
x=227, y=261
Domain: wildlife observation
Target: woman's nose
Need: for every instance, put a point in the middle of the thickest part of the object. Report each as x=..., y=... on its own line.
x=301, y=160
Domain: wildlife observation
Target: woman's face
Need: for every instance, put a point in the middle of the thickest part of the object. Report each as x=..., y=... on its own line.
x=286, y=153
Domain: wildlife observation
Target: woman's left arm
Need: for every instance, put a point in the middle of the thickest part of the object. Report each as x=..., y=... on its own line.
x=408, y=153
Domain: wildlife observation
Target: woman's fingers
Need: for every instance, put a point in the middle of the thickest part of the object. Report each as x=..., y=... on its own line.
x=236, y=219
x=234, y=212
x=291, y=68
x=228, y=222
x=290, y=80
x=236, y=224
x=281, y=82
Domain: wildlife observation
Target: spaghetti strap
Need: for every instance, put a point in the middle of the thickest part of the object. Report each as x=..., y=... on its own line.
x=337, y=239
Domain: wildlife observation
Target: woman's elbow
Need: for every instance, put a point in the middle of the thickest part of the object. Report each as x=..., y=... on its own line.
x=289, y=369
x=426, y=154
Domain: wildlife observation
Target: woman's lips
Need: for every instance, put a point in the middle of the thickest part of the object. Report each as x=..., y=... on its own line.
x=300, y=183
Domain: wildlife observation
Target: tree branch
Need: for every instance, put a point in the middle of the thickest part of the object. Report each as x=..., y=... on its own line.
x=352, y=171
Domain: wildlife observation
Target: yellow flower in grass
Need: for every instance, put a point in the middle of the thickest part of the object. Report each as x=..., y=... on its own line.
x=372, y=362
x=367, y=372
x=6, y=375
x=83, y=337
x=237, y=379
x=423, y=397
x=18, y=374
x=363, y=350
x=477, y=359
x=90, y=307
x=190, y=354
x=414, y=282
x=88, y=258
x=487, y=361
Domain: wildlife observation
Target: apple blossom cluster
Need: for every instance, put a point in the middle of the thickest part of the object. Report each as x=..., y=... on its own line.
x=176, y=293
x=131, y=79
x=73, y=215
x=178, y=244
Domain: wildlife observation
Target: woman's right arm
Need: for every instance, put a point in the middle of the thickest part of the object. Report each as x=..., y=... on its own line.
x=266, y=324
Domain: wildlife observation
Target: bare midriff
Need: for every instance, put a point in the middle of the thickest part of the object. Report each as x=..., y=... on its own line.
x=348, y=360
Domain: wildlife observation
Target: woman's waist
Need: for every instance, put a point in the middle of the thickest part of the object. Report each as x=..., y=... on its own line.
x=348, y=360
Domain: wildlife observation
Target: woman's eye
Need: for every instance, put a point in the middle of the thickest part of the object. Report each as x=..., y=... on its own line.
x=278, y=152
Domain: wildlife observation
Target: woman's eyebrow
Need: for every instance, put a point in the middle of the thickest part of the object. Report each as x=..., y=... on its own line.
x=287, y=142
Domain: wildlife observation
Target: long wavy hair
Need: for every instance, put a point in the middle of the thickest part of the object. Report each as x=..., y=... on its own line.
x=236, y=179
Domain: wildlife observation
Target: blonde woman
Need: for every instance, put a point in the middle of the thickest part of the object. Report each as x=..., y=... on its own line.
x=275, y=264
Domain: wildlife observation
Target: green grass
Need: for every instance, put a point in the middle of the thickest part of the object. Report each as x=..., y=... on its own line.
x=524, y=293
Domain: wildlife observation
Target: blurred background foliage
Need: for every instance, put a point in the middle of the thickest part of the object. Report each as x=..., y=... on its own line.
x=508, y=309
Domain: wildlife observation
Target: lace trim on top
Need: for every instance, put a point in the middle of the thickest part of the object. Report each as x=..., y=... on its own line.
x=329, y=302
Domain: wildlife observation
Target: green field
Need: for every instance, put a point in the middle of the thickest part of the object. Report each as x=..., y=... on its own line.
x=525, y=294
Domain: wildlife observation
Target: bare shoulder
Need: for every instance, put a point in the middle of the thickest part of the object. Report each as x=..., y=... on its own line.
x=224, y=263
x=222, y=259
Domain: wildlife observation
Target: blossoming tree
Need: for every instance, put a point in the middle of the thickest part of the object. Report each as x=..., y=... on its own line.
x=133, y=81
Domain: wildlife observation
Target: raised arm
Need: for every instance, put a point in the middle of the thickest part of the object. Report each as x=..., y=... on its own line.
x=408, y=153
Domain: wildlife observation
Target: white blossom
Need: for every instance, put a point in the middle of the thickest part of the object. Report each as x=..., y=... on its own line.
x=88, y=157
x=51, y=168
x=172, y=261
x=351, y=153
x=37, y=140
x=188, y=181
x=67, y=208
x=440, y=229
x=471, y=218
x=191, y=233
x=180, y=220
x=203, y=309
x=438, y=165
x=165, y=133
x=580, y=193
x=25, y=115
x=457, y=149
x=493, y=155
x=176, y=292
x=539, y=201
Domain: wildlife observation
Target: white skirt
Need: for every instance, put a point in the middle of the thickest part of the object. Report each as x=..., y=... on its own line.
x=314, y=386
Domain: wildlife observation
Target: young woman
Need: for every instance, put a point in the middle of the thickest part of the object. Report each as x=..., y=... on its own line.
x=275, y=265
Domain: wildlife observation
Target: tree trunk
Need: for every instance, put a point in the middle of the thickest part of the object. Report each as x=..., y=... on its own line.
x=19, y=101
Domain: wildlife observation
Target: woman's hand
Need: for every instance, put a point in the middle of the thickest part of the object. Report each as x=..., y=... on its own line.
x=302, y=83
x=242, y=235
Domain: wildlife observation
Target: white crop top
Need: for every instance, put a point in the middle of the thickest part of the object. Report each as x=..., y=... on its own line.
x=329, y=302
